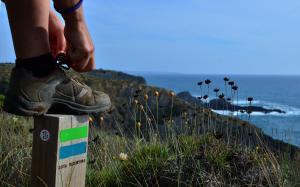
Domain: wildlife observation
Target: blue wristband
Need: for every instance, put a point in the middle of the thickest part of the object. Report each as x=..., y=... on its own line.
x=69, y=10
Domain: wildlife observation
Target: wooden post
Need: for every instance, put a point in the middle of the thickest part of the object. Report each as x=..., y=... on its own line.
x=59, y=152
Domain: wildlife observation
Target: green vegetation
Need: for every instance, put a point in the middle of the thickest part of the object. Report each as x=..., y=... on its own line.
x=152, y=138
x=184, y=160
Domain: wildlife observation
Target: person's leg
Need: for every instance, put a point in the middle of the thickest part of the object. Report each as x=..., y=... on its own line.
x=37, y=83
x=29, y=21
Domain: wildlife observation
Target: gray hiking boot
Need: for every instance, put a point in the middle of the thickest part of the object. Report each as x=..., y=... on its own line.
x=28, y=95
x=72, y=97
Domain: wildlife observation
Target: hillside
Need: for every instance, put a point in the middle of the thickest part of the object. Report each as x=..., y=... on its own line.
x=154, y=121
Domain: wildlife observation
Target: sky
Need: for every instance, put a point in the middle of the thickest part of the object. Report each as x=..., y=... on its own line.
x=189, y=36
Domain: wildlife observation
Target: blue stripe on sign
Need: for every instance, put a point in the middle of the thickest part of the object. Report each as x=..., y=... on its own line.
x=72, y=150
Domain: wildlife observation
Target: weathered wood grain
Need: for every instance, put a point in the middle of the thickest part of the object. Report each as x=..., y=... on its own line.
x=51, y=169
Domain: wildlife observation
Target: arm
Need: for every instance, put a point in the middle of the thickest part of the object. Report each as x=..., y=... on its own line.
x=80, y=48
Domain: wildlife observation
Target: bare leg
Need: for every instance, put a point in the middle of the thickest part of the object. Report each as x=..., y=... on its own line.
x=29, y=21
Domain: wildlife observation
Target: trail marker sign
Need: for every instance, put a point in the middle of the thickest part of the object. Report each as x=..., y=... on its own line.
x=59, y=152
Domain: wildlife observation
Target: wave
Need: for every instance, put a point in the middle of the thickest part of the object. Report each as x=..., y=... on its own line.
x=246, y=103
x=289, y=110
x=288, y=113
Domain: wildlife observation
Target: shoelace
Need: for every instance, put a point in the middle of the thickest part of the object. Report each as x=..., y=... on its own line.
x=61, y=61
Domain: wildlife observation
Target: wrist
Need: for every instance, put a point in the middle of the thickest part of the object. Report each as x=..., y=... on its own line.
x=74, y=18
x=60, y=7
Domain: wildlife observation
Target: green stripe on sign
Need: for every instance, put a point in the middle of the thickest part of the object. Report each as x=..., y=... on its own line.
x=73, y=133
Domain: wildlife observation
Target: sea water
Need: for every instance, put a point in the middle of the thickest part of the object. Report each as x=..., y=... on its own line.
x=279, y=92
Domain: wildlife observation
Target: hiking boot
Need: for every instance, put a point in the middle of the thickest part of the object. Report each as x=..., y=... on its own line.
x=28, y=95
x=74, y=97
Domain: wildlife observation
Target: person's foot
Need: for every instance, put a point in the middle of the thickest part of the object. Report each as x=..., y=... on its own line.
x=28, y=95
x=78, y=98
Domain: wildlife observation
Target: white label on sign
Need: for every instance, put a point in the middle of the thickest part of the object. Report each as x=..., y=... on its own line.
x=45, y=135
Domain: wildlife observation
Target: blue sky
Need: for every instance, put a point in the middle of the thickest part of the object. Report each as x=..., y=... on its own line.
x=190, y=36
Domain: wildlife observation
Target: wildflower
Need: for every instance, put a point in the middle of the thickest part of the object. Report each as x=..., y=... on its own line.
x=231, y=83
x=170, y=122
x=91, y=119
x=207, y=81
x=171, y=94
x=226, y=79
x=216, y=90
x=136, y=101
x=138, y=124
x=101, y=118
x=200, y=83
x=146, y=97
x=123, y=157
x=235, y=88
x=257, y=148
x=15, y=119
x=250, y=99
x=141, y=107
x=156, y=93
x=221, y=96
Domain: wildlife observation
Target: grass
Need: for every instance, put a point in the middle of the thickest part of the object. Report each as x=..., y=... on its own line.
x=176, y=144
x=178, y=160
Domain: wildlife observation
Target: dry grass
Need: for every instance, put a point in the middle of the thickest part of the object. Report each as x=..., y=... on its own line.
x=177, y=160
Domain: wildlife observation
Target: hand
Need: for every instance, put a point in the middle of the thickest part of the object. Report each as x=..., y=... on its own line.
x=56, y=35
x=80, y=49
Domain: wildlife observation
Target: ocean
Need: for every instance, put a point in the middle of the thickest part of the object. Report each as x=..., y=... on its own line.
x=280, y=92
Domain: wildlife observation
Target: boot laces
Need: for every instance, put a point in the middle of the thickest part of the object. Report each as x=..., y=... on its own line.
x=61, y=61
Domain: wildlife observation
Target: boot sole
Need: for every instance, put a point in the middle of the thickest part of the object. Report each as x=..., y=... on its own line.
x=20, y=106
x=75, y=108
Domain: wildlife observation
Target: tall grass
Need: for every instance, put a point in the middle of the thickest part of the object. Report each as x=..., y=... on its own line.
x=152, y=157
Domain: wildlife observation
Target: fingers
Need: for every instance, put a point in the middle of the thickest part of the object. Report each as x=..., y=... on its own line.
x=80, y=50
x=91, y=65
x=81, y=60
x=61, y=44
